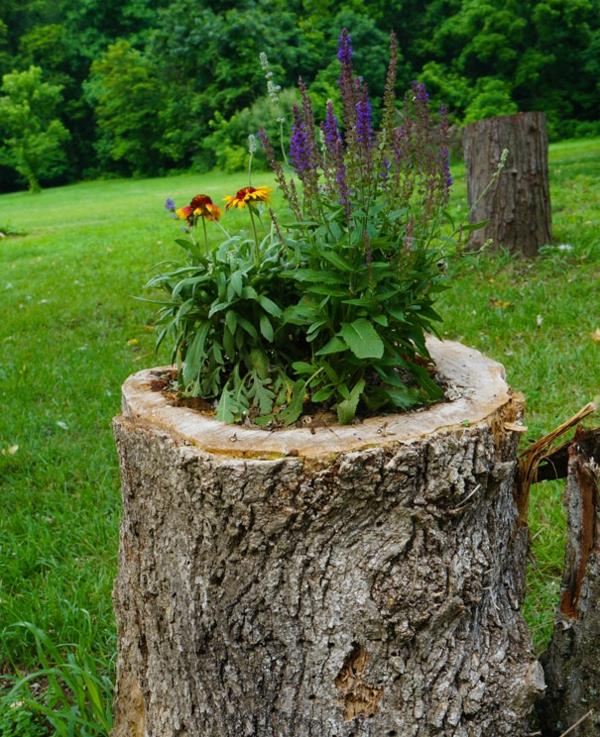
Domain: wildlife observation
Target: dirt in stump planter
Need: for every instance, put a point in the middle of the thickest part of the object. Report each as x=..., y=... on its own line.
x=350, y=581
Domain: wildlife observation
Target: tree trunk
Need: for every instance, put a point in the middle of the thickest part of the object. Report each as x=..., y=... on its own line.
x=571, y=663
x=517, y=204
x=349, y=581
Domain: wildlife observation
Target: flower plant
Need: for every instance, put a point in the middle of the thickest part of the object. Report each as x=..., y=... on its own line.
x=325, y=306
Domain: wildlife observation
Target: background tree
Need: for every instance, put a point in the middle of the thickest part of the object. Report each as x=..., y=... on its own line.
x=480, y=58
x=34, y=137
x=126, y=97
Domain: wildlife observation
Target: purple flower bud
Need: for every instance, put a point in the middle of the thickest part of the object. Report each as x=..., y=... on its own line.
x=170, y=204
x=344, y=53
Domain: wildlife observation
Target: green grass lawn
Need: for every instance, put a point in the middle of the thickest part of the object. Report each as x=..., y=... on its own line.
x=71, y=332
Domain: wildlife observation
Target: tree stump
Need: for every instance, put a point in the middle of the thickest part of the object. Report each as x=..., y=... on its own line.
x=517, y=204
x=571, y=662
x=349, y=581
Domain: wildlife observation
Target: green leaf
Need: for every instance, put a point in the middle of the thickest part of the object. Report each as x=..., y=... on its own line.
x=259, y=362
x=300, y=314
x=337, y=260
x=316, y=326
x=402, y=398
x=323, y=394
x=188, y=246
x=195, y=354
x=294, y=407
x=231, y=321
x=266, y=328
x=468, y=227
x=318, y=276
x=218, y=307
x=227, y=409
x=362, y=339
x=228, y=343
x=397, y=314
x=262, y=397
x=381, y=320
x=335, y=345
x=248, y=327
x=235, y=285
x=269, y=306
x=346, y=410
x=249, y=293
x=302, y=367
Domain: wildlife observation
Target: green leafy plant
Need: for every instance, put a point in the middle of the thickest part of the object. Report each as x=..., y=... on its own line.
x=330, y=310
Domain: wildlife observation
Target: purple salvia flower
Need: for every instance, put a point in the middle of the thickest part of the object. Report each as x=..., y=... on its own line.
x=300, y=154
x=385, y=170
x=448, y=181
x=421, y=108
x=309, y=125
x=389, y=96
x=331, y=141
x=170, y=204
x=345, y=82
x=364, y=125
x=420, y=92
x=344, y=53
x=330, y=130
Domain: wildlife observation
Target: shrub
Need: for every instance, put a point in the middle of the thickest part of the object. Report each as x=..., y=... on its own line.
x=328, y=308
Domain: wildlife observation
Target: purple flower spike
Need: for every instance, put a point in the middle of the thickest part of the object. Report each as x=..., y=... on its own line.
x=344, y=53
x=448, y=181
x=386, y=166
x=342, y=183
x=170, y=204
x=330, y=131
x=300, y=154
x=364, y=125
x=420, y=92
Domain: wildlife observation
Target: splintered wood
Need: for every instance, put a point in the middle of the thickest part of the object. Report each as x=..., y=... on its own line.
x=571, y=663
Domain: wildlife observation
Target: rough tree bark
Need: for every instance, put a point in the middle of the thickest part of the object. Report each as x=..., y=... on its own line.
x=571, y=663
x=356, y=581
x=517, y=204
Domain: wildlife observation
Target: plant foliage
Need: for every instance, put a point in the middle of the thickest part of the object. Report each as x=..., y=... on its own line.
x=331, y=309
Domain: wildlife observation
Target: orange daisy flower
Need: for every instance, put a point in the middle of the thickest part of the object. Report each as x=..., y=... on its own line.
x=201, y=206
x=248, y=196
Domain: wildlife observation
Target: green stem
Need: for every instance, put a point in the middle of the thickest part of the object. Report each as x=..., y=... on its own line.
x=227, y=233
x=281, y=142
x=205, y=234
x=256, y=259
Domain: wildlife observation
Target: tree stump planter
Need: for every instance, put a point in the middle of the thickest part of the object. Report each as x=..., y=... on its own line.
x=351, y=581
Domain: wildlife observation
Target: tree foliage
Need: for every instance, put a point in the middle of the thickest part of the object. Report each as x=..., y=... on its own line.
x=34, y=137
x=183, y=71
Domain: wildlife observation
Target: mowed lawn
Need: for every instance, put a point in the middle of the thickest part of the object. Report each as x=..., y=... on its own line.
x=71, y=332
